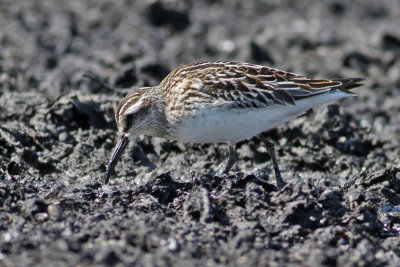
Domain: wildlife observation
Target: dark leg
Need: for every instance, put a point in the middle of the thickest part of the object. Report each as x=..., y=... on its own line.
x=231, y=159
x=271, y=151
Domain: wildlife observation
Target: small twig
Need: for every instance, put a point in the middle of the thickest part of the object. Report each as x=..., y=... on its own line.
x=101, y=83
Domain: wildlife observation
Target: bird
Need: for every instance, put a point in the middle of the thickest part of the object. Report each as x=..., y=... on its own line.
x=222, y=102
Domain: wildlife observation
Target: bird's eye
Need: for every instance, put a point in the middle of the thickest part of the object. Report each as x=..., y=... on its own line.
x=129, y=121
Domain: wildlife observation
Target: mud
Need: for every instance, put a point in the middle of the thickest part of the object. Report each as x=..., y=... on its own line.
x=168, y=204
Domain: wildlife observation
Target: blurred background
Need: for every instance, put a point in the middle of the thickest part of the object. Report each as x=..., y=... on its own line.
x=47, y=46
x=57, y=131
x=51, y=43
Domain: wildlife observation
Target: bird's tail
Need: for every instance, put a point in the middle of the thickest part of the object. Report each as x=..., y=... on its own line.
x=347, y=84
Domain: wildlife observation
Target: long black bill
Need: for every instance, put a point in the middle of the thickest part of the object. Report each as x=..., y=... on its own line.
x=119, y=148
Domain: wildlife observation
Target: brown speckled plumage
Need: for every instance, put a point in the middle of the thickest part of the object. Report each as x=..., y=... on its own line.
x=222, y=102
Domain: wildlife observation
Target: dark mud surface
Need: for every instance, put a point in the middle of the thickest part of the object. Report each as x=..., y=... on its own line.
x=167, y=204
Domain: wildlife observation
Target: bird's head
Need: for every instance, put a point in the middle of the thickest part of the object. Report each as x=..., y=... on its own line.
x=140, y=112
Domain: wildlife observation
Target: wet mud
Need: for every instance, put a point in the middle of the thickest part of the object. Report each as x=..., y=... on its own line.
x=167, y=203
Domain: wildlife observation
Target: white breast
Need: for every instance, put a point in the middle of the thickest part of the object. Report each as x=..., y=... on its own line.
x=222, y=125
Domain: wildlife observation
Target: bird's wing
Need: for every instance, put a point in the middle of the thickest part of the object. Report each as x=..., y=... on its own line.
x=247, y=85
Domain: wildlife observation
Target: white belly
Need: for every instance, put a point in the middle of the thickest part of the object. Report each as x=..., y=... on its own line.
x=221, y=125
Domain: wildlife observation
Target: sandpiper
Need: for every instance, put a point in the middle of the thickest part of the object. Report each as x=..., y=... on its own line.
x=222, y=102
